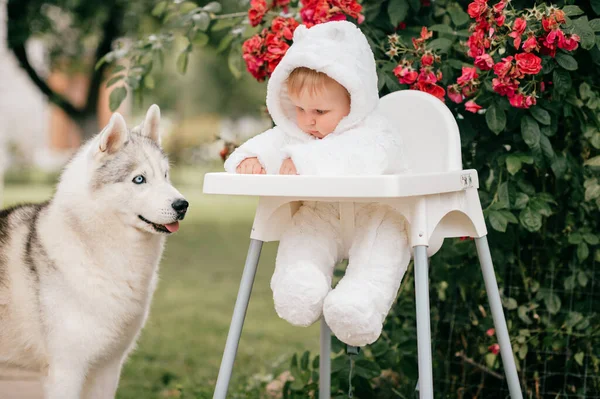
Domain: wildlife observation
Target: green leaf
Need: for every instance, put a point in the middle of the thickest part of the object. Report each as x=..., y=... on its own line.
x=510, y=303
x=509, y=216
x=552, y=302
x=441, y=28
x=595, y=161
x=202, y=21
x=530, y=220
x=117, y=69
x=582, y=278
x=114, y=80
x=503, y=198
x=523, y=351
x=398, y=10
x=440, y=44
x=521, y=201
x=566, y=61
x=513, y=164
x=224, y=44
x=415, y=4
x=579, y=356
x=592, y=192
x=213, y=6
x=575, y=238
x=569, y=283
x=200, y=39
x=182, y=60
x=582, y=27
x=585, y=91
x=304, y=360
x=458, y=15
x=540, y=206
x=367, y=369
x=583, y=251
x=562, y=81
x=591, y=239
x=595, y=6
x=159, y=9
x=495, y=118
x=149, y=82
x=522, y=313
x=498, y=221
x=530, y=130
x=235, y=61
x=572, y=11
x=546, y=147
x=595, y=24
x=573, y=318
x=116, y=98
x=541, y=115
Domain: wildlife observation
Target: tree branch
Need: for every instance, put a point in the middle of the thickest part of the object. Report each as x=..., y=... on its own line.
x=55, y=98
x=111, y=29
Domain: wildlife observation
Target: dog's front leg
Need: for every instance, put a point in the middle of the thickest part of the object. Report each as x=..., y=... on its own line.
x=102, y=382
x=64, y=381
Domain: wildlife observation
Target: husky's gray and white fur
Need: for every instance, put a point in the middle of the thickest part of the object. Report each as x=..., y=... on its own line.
x=77, y=273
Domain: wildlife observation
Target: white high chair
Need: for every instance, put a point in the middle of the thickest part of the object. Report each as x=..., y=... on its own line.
x=438, y=200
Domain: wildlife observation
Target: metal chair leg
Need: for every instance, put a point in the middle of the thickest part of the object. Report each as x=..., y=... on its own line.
x=491, y=286
x=423, y=322
x=325, y=362
x=237, y=321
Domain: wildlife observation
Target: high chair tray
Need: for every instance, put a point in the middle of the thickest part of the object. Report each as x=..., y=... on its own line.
x=386, y=186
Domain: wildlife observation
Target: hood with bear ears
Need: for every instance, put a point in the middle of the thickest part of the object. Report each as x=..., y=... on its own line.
x=337, y=49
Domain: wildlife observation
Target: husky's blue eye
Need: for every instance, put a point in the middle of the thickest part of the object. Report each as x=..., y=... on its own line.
x=139, y=179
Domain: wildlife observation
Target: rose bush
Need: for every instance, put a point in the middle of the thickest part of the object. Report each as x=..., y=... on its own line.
x=522, y=79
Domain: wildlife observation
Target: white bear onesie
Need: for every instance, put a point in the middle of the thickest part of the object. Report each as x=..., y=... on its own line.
x=362, y=144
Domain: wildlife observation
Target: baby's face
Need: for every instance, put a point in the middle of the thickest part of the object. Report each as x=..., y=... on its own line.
x=319, y=113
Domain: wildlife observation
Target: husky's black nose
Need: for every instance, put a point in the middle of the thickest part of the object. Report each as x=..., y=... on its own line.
x=180, y=206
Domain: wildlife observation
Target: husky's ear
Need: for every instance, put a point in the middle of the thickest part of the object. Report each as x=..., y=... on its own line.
x=114, y=134
x=152, y=123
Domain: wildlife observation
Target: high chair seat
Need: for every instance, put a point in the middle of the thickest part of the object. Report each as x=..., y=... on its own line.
x=438, y=200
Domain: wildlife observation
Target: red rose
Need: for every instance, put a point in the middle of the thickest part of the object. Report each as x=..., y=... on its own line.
x=405, y=75
x=454, y=94
x=570, y=43
x=468, y=74
x=505, y=87
x=530, y=44
x=427, y=59
x=503, y=67
x=427, y=75
x=495, y=349
x=484, y=62
x=284, y=27
x=518, y=30
x=258, y=9
x=528, y=64
x=430, y=88
x=477, y=8
x=471, y=106
x=517, y=101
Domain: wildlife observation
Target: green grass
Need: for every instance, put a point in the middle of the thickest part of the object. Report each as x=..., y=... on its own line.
x=182, y=342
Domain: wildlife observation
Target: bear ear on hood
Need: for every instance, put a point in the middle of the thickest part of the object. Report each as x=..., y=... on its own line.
x=299, y=33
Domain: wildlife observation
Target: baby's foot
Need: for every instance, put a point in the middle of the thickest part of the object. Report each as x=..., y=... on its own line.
x=299, y=293
x=351, y=315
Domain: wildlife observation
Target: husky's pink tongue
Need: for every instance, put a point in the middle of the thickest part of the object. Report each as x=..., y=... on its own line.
x=172, y=227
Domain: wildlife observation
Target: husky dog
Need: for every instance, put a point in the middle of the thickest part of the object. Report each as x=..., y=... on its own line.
x=77, y=273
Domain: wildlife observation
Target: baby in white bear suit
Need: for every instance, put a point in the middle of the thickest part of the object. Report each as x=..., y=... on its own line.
x=323, y=97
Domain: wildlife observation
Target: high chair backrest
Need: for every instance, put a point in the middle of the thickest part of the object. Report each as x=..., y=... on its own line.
x=429, y=131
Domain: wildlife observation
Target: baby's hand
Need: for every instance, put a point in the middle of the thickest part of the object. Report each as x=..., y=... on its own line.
x=288, y=168
x=250, y=166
